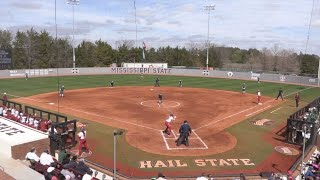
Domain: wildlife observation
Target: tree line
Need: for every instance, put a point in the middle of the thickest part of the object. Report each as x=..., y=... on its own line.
x=31, y=49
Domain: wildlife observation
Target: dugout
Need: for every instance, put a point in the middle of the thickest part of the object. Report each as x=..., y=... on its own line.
x=8, y=103
x=65, y=137
x=307, y=116
x=45, y=114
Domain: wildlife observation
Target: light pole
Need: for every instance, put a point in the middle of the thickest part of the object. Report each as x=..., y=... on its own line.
x=304, y=131
x=135, y=21
x=73, y=3
x=208, y=8
x=115, y=134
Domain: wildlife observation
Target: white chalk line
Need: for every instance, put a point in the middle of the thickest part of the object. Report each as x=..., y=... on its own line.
x=177, y=104
x=174, y=134
x=200, y=139
x=178, y=148
x=272, y=112
x=164, y=140
x=114, y=119
x=214, y=122
x=258, y=111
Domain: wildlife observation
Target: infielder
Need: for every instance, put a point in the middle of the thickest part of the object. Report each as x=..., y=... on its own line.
x=185, y=131
x=111, y=84
x=83, y=142
x=61, y=91
x=244, y=88
x=259, y=97
x=167, y=124
x=180, y=83
x=280, y=93
x=157, y=84
x=160, y=99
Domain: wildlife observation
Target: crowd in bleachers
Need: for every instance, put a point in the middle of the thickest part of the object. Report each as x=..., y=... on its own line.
x=66, y=168
x=31, y=120
x=311, y=169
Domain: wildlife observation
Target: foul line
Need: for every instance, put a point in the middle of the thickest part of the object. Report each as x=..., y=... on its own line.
x=178, y=148
x=114, y=119
x=275, y=110
x=200, y=139
x=164, y=140
x=214, y=122
x=258, y=111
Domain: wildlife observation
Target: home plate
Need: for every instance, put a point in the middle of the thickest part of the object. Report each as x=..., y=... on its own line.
x=151, y=89
x=51, y=103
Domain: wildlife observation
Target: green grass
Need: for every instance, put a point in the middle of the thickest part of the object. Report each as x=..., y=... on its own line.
x=250, y=145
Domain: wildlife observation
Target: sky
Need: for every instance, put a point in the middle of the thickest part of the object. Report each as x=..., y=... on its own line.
x=236, y=23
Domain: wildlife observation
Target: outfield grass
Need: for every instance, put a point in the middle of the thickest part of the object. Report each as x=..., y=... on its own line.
x=250, y=145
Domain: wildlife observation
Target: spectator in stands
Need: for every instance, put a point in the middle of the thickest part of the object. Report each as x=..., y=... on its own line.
x=1, y=111
x=32, y=156
x=61, y=177
x=66, y=159
x=67, y=173
x=49, y=175
x=161, y=176
x=202, y=177
x=46, y=158
x=242, y=176
x=72, y=164
x=87, y=176
x=82, y=167
x=210, y=177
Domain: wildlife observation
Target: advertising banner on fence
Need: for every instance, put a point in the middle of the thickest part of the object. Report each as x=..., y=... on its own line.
x=122, y=70
x=255, y=76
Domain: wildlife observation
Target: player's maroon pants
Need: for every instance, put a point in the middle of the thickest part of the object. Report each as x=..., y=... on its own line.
x=258, y=98
x=82, y=143
x=168, y=128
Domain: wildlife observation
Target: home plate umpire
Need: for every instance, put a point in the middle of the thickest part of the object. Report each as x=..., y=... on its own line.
x=185, y=131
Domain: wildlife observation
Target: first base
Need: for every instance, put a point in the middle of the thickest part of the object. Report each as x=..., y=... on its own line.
x=151, y=89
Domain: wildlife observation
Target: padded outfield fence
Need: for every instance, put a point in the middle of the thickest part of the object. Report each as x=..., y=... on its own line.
x=280, y=78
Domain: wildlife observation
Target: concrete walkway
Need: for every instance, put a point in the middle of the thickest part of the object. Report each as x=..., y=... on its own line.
x=18, y=170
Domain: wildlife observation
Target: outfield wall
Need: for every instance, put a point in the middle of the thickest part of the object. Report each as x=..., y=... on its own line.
x=162, y=71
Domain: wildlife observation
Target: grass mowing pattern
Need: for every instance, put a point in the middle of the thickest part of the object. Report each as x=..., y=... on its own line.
x=249, y=143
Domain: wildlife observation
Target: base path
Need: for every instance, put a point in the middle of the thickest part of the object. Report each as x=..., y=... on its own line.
x=135, y=109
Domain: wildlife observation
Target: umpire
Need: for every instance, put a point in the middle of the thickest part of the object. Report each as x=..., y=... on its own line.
x=185, y=131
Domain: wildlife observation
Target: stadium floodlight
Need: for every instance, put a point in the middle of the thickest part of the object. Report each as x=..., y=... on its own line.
x=208, y=8
x=73, y=3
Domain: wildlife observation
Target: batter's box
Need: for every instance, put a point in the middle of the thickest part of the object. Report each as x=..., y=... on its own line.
x=195, y=142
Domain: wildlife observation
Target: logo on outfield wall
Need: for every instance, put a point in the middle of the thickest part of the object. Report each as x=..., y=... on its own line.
x=282, y=78
x=206, y=73
x=230, y=74
x=255, y=76
x=286, y=150
x=262, y=122
x=312, y=80
x=120, y=70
